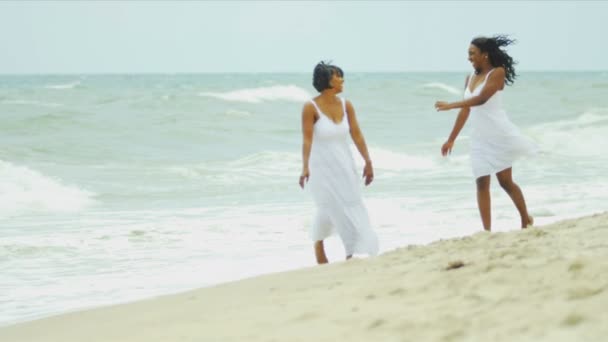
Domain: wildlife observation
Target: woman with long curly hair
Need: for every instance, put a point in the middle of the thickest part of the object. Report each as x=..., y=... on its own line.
x=495, y=141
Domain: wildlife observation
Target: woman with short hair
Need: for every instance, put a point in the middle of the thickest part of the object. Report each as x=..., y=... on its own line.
x=329, y=168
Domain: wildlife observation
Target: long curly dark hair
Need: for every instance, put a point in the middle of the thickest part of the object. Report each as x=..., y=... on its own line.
x=498, y=57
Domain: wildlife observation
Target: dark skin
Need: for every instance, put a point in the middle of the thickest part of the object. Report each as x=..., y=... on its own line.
x=495, y=82
x=331, y=105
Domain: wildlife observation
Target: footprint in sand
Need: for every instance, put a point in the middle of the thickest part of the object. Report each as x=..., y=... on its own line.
x=496, y=266
x=576, y=266
x=454, y=265
x=573, y=319
x=397, y=292
x=455, y=335
x=583, y=292
x=307, y=316
x=537, y=232
x=376, y=323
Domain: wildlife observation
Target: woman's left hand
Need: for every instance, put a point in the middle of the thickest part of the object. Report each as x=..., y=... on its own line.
x=368, y=173
x=441, y=105
x=304, y=177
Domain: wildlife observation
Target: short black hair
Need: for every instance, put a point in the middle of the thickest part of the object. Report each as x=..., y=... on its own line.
x=323, y=73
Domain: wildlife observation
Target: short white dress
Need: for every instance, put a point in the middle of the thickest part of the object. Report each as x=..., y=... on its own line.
x=336, y=188
x=495, y=141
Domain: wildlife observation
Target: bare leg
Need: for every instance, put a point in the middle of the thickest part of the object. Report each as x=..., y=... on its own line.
x=320, y=252
x=506, y=182
x=483, y=201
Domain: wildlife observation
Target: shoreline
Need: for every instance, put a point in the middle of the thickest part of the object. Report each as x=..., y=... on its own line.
x=544, y=283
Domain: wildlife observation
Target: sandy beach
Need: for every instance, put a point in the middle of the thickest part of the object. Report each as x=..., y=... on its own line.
x=542, y=284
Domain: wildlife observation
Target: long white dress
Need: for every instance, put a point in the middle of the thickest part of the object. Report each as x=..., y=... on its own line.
x=336, y=188
x=495, y=141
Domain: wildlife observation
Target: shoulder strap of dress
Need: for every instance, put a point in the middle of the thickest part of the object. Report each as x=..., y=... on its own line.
x=488, y=74
x=316, y=107
x=344, y=108
x=467, y=83
x=470, y=78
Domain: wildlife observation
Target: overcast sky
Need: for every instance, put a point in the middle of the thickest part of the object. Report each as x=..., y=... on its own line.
x=291, y=36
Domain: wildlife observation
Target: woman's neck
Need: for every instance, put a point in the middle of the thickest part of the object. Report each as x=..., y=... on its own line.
x=328, y=96
x=484, y=69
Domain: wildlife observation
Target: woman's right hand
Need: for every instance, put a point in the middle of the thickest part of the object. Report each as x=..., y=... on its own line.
x=447, y=148
x=304, y=177
x=442, y=105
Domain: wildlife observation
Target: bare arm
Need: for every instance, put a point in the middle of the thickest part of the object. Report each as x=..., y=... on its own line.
x=495, y=82
x=308, y=121
x=359, y=140
x=355, y=132
x=463, y=115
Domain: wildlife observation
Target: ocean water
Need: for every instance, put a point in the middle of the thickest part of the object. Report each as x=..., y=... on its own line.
x=120, y=187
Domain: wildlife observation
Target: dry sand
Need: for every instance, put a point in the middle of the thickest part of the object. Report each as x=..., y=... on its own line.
x=541, y=284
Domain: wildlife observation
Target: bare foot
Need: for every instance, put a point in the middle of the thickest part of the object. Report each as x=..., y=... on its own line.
x=530, y=223
x=320, y=253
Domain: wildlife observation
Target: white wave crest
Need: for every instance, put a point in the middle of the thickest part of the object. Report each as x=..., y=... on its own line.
x=236, y=113
x=25, y=190
x=384, y=159
x=274, y=166
x=443, y=86
x=269, y=162
x=31, y=103
x=266, y=164
x=256, y=95
x=592, y=117
x=582, y=135
x=70, y=85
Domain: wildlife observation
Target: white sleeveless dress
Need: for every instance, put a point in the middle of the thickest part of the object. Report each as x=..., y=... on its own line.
x=336, y=188
x=495, y=141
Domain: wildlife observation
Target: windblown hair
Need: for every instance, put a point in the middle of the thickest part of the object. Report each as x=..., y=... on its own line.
x=322, y=75
x=498, y=57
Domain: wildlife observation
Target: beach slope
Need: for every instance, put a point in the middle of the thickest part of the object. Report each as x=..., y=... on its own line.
x=542, y=284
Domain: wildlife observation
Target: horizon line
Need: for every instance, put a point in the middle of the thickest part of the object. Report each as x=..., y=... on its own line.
x=267, y=72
